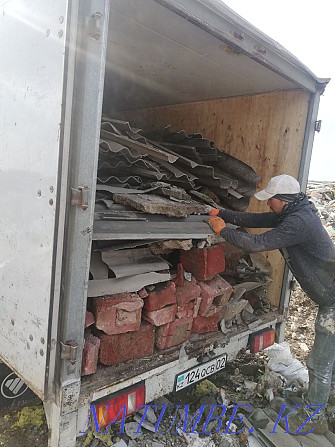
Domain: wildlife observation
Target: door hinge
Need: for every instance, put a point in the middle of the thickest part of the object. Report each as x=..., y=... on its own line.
x=79, y=197
x=317, y=126
x=69, y=351
x=95, y=25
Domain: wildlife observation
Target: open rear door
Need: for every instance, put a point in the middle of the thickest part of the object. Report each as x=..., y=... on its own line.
x=32, y=48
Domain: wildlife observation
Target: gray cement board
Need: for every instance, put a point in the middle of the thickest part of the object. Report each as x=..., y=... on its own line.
x=153, y=204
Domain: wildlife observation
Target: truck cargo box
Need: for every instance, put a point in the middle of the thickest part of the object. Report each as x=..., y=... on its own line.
x=190, y=64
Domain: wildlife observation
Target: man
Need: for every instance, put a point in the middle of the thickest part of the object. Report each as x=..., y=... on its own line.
x=309, y=252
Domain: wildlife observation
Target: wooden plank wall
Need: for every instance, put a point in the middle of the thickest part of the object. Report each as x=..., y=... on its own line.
x=265, y=131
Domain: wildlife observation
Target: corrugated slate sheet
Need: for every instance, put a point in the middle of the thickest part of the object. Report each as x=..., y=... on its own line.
x=129, y=158
x=151, y=188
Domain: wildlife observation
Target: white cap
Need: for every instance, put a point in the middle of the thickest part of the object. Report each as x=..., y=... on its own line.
x=281, y=184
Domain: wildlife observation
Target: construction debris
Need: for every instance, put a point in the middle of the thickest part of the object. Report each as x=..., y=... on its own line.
x=323, y=196
x=282, y=361
x=129, y=159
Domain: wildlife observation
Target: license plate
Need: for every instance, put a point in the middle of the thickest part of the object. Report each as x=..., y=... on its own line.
x=200, y=372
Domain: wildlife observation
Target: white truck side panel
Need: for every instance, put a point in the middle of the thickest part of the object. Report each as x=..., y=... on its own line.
x=32, y=47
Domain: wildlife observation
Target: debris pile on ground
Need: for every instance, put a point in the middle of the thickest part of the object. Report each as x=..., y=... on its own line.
x=323, y=196
x=300, y=324
x=238, y=407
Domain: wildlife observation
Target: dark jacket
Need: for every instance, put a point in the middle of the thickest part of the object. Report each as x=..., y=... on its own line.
x=300, y=235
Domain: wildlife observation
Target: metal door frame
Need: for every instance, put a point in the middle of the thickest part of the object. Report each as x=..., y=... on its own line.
x=87, y=30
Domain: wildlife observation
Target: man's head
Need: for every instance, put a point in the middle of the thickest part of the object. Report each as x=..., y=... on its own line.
x=280, y=190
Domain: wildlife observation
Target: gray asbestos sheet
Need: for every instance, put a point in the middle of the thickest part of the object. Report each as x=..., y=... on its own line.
x=153, y=204
x=126, y=284
x=133, y=262
x=145, y=230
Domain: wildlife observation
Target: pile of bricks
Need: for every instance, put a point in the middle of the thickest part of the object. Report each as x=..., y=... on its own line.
x=125, y=326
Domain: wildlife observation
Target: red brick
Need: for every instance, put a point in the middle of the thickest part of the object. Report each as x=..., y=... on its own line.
x=119, y=348
x=163, y=295
x=90, y=355
x=214, y=294
x=161, y=316
x=173, y=334
x=116, y=314
x=89, y=320
x=205, y=324
x=188, y=292
x=204, y=263
x=179, y=279
x=189, y=310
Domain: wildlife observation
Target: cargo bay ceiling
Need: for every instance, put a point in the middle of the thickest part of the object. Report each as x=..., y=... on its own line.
x=156, y=57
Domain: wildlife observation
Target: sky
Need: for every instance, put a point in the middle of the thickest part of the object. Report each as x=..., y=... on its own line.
x=305, y=28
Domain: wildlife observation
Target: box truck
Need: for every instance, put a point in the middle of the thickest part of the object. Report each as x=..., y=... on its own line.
x=192, y=64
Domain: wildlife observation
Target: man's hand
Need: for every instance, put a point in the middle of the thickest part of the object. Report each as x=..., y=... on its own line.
x=217, y=224
x=214, y=212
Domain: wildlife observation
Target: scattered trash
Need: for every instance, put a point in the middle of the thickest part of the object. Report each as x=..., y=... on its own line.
x=120, y=443
x=130, y=429
x=144, y=424
x=282, y=361
x=322, y=194
x=193, y=439
x=150, y=414
x=252, y=442
x=206, y=387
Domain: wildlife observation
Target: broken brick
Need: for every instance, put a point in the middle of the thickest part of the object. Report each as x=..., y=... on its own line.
x=202, y=325
x=179, y=280
x=173, y=334
x=90, y=355
x=119, y=313
x=89, y=319
x=188, y=292
x=214, y=294
x=189, y=310
x=161, y=316
x=163, y=295
x=204, y=263
x=233, y=308
x=120, y=348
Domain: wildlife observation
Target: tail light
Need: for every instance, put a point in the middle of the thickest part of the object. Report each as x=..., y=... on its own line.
x=129, y=399
x=261, y=340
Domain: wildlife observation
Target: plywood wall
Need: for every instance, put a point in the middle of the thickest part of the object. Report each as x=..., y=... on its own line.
x=265, y=131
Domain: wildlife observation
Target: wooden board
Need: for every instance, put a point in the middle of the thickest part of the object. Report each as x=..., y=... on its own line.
x=265, y=131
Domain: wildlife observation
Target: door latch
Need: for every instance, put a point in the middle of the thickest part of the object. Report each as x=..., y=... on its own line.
x=79, y=197
x=68, y=351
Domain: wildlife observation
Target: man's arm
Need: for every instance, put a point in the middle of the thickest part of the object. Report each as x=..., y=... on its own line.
x=249, y=220
x=290, y=232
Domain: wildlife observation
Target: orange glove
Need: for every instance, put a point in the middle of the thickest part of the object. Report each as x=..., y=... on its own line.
x=214, y=212
x=217, y=224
